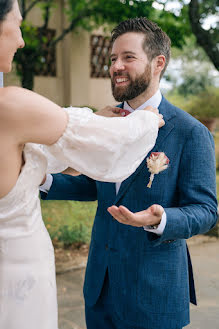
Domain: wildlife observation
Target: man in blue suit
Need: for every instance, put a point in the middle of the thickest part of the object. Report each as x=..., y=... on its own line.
x=137, y=275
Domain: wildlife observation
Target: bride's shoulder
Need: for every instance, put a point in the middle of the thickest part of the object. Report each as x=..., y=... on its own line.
x=9, y=108
x=8, y=94
x=9, y=100
x=11, y=90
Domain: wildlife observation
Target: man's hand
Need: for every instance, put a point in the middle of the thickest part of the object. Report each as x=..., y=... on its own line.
x=71, y=172
x=150, y=216
x=109, y=111
x=156, y=111
x=43, y=181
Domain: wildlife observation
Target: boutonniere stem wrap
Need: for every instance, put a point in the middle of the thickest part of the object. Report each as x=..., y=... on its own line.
x=156, y=163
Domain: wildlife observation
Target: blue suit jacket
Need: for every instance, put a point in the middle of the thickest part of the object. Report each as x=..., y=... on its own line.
x=148, y=274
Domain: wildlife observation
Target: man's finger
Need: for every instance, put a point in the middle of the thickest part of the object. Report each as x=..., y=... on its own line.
x=116, y=110
x=116, y=213
x=157, y=210
x=126, y=213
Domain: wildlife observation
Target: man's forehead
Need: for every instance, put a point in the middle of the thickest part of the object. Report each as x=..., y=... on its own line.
x=125, y=52
x=126, y=45
x=129, y=40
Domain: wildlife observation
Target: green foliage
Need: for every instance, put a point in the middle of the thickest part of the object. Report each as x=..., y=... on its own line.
x=205, y=104
x=208, y=7
x=89, y=14
x=95, y=13
x=190, y=51
x=69, y=221
x=194, y=82
x=31, y=51
x=176, y=27
x=178, y=100
x=198, y=14
x=79, y=234
x=44, y=5
x=30, y=35
x=191, y=71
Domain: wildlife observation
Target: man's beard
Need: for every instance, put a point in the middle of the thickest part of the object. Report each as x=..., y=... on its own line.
x=135, y=88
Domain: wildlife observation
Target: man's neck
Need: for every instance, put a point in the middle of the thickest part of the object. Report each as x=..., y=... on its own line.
x=142, y=98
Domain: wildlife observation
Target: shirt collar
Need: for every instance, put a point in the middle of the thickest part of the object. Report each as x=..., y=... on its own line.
x=154, y=101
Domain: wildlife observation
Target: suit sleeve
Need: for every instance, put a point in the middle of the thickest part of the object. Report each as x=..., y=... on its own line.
x=66, y=187
x=196, y=211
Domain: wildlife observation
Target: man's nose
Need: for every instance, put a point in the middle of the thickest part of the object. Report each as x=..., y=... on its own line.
x=118, y=65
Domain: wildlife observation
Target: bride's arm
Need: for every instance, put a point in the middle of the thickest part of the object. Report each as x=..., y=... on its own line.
x=108, y=149
x=29, y=117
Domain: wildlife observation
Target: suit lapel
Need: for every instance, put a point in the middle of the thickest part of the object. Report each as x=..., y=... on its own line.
x=168, y=113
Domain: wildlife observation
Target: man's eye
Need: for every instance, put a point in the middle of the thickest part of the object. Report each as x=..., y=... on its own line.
x=129, y=57
x=113, y=60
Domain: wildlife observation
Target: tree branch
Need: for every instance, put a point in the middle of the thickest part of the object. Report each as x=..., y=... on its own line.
x=23, y=7
x=26, y=11
x=69, y=28
x=46, y=17
x=206, y=39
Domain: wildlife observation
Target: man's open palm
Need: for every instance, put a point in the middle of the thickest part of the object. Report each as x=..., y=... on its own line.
x=150, y=216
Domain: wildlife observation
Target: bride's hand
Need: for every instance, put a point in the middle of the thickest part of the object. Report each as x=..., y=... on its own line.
x=156, y=111
x=109, y=111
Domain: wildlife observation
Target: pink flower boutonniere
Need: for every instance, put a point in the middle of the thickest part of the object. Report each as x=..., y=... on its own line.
x=156, y=163
x=124, y=113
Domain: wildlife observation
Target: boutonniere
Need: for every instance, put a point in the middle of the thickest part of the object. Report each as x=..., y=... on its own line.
x=157, y=162
x=124, y=113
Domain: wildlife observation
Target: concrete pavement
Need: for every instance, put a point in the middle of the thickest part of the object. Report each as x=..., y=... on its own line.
x=205, y=258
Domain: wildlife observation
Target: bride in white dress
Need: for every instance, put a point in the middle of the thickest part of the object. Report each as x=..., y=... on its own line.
x=94, y=145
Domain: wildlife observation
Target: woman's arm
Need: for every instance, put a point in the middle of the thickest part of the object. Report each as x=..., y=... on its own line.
x=28, y=117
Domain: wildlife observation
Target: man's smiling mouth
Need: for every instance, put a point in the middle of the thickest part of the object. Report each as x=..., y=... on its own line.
x=121, y=80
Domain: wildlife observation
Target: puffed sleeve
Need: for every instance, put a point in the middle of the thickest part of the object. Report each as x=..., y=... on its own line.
x=105, y=149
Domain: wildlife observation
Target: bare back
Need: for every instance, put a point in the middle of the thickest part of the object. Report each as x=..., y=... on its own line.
x=24, y=117
x=11, y=162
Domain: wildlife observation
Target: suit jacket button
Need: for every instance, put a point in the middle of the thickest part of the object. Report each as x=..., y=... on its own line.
x=106, y=247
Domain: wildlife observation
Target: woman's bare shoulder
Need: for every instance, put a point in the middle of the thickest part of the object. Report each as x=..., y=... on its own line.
x=9, y=95
x=11, y=100
x=10, y=91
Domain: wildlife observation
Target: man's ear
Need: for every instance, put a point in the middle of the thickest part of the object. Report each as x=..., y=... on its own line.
x=159, y=64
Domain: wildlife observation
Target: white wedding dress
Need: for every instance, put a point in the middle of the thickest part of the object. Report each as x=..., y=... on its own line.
x=105, y=149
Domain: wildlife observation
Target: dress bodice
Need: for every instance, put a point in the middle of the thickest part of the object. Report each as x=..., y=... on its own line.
x=20, y=208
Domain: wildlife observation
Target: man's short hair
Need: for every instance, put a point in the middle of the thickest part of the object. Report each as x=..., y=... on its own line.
x=156, y=41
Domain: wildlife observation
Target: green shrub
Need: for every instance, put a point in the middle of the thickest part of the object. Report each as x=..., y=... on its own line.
x=69, y=221
x=214, y=231
x=177, y=99
x=205, y=104
x=79, y=234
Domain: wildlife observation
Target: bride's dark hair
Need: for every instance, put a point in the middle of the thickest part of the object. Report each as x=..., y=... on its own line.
x=5, y=8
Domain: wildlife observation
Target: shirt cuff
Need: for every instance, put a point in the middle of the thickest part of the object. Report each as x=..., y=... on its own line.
x=159, y=230
x=47, y=185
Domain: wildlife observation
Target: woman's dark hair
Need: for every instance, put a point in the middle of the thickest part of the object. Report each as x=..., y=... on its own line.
x=156, y=41
x=5, y=8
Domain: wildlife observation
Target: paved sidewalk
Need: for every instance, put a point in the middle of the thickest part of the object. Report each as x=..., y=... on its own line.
x=205, y=258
